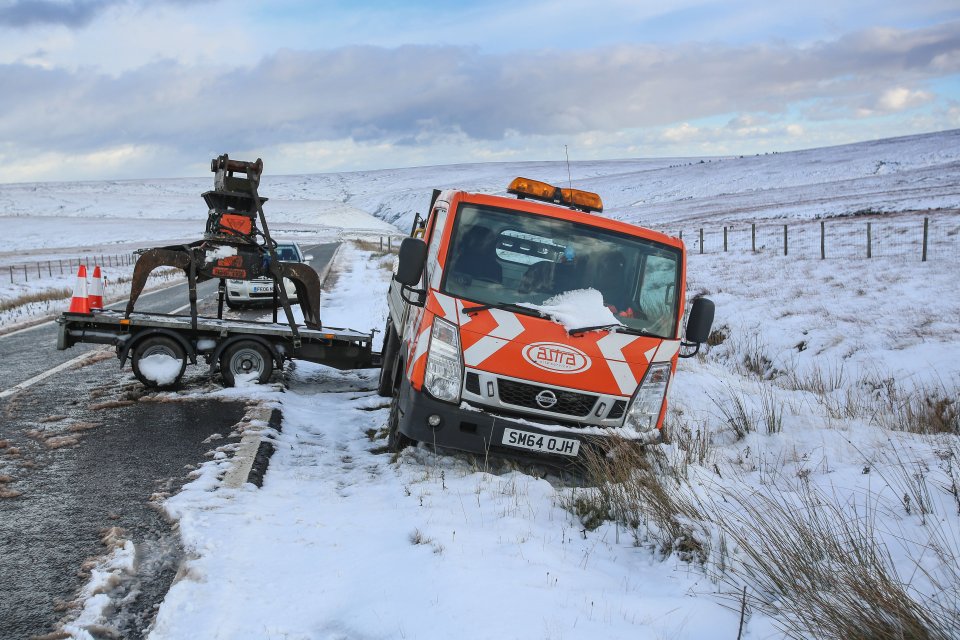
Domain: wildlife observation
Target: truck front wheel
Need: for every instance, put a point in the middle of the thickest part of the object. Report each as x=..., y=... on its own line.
x=391, y=346
x=159, y=362
x=246, y=360
x=396, y=441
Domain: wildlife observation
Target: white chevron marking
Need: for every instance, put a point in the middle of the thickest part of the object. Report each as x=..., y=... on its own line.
x=611, y=346
x=508, y=327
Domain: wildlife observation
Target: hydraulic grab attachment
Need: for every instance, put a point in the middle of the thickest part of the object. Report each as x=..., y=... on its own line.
x=233, y=247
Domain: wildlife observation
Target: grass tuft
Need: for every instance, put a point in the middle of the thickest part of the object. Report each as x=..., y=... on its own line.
x=44, y=295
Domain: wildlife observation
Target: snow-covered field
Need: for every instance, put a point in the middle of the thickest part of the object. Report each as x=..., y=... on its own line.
x=807, y=404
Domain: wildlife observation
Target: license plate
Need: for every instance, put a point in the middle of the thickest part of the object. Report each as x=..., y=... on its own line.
x=540, y=442
x=263, y=289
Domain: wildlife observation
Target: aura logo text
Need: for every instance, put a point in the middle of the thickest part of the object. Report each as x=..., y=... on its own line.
x=559, y=358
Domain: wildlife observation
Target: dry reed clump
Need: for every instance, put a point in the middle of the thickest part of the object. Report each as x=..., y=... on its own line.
x=636, y=486
x=927, y=410
x=813, y=562
x=693, y=444
x=744, y=416
x=932, y=408
x=378, y=247
x=820, y=569
x=43, y=295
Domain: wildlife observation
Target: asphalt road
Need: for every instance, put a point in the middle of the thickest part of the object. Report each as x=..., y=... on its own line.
x=85, y=455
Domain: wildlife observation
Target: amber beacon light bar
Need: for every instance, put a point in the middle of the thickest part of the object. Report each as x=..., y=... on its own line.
x=573, y=198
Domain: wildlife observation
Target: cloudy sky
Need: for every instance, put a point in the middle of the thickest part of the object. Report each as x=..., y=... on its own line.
x=108, y=89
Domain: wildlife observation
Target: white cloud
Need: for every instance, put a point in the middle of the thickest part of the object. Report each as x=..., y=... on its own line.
x=683, y=133
x=900, y=98
x=395, y=105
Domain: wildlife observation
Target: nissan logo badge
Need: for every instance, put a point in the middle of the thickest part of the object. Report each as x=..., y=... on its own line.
x=546, y=398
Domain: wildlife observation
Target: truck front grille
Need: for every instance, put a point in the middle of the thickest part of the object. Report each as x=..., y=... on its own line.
x=524, y=395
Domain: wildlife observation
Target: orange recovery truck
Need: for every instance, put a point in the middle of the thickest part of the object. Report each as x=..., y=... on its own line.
x=531, y=326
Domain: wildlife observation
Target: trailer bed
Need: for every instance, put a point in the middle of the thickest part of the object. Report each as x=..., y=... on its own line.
x=211, y=339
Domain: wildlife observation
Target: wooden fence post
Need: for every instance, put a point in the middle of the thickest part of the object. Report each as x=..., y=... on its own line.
x=753, y=237
x=869, y=242
x=784, y=239
x=926, y=232
x=724, y=239
x=701, y=240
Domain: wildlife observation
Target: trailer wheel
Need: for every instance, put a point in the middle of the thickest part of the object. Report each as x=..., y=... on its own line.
x=396, y=441
x=159, y=362
x=391, y=346
x=246, y=360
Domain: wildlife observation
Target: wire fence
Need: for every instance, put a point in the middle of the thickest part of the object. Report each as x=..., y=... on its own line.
x=41, y=269
x=905, y=238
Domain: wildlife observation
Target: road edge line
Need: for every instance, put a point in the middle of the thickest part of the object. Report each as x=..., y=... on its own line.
x=26, y=384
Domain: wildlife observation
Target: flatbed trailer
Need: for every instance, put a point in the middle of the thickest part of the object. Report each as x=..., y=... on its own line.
x=159, y=346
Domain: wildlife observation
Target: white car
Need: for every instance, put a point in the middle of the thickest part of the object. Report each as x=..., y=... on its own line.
x=242, y=293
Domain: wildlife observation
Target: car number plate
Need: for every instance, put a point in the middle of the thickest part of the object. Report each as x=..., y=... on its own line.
x=262, y=289
x=541, y=442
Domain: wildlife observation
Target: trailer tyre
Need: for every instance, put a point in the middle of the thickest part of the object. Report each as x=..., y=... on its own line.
x=159, y=362
x=246, y=360
x=391, y=346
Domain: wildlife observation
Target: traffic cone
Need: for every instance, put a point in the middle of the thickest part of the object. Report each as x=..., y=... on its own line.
x=96, y=289
x=80, y=303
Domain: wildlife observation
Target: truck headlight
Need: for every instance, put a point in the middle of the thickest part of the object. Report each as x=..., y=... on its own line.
x=444, y=369
x=647, y=402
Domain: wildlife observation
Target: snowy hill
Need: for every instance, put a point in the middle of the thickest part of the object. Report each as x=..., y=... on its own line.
x=900, y=174
x=815, y=439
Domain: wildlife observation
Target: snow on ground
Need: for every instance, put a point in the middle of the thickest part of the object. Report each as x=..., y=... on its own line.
x=816, y=368
x=341, y=542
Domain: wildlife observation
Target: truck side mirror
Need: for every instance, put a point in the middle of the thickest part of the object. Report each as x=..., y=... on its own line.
x=700, y=321
x=698, y=326
x=413, y=257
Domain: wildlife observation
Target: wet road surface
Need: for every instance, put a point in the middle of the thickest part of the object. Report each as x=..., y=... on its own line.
x=86, y=453
x=84, y=474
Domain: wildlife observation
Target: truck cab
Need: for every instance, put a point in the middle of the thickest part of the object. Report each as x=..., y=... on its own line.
x=533, y=326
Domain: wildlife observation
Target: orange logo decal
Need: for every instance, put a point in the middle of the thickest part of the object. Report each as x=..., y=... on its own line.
x=559, y=358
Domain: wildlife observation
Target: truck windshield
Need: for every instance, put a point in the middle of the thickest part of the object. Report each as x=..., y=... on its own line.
x=506, y=256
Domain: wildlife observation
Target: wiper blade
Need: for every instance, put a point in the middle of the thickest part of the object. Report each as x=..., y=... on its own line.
x=504, y=305
x=617, y=327
x=612, y=326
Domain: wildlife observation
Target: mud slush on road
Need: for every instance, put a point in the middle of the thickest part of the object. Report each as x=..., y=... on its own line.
x=159, y=346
